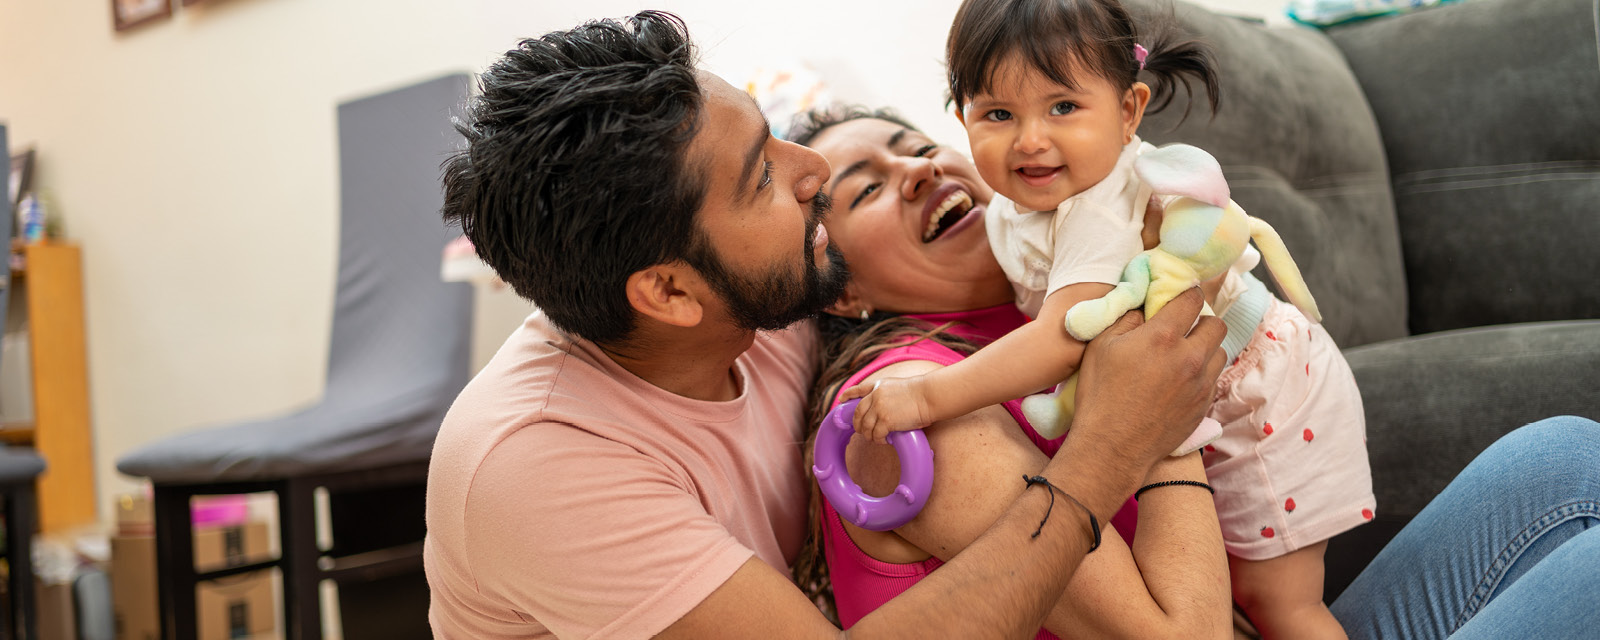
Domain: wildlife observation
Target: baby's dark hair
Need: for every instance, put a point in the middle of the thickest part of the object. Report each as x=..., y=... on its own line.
x=1060, y=37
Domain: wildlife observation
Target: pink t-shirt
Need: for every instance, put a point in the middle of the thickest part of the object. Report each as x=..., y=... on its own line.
x=569, y=498
x=862, y=583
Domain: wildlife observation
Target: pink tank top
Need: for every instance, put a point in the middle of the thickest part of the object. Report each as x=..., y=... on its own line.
x=862, y=583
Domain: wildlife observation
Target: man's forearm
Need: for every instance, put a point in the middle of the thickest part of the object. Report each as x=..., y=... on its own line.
x=1006, y=581
x=1181, y=554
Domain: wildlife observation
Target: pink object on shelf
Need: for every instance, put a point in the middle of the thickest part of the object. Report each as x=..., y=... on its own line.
x=220, y=511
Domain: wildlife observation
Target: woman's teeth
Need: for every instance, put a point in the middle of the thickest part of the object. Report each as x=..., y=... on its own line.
x=959, y=200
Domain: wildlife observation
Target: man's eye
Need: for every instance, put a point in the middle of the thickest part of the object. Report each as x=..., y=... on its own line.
x=998, y=115
x=924, y=150
x=766, y=175
x=864, y=193
x=1063, y=108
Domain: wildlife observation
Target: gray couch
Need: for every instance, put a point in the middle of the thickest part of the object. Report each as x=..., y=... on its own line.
x=1437, y=177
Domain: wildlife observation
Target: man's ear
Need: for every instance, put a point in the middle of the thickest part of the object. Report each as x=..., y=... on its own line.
x=668, y=293
x=1133, y=104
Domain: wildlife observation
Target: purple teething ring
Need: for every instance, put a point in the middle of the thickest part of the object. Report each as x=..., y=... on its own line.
x=854, y=505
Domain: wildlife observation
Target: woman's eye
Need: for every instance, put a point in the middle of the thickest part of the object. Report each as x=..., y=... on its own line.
x=924, y=150
x=998, y=115
x=863, y=195
x=1063, y=108
x=766, y=175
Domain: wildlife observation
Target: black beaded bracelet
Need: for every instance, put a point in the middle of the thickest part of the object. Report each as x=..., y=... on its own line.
x=1094, y=523
x=1157, y=485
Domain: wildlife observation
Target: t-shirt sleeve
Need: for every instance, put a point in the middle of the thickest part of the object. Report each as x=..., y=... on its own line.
x=1093, y=244
x=591, y=537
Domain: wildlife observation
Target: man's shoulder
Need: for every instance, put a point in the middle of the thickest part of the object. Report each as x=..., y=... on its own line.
x=533, y=379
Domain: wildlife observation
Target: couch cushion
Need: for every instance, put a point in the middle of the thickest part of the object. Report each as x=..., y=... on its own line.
x=1434, y=402
x=1301, y=151
x=1490, y=113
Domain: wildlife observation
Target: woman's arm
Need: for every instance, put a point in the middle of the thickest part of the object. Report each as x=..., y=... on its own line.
x=1172, y=584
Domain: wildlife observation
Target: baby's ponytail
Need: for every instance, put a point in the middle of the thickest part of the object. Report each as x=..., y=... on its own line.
x=1175, y=58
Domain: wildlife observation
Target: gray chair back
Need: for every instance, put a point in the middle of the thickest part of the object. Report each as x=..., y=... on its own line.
x=400, y=344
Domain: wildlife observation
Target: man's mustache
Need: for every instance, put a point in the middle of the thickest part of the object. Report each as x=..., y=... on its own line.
x=821, y=206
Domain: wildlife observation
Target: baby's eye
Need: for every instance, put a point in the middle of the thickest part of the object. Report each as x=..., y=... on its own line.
x=1063, y=108
x=924, y=150
x=863, y=195
x=766, y=175
x=998, y=115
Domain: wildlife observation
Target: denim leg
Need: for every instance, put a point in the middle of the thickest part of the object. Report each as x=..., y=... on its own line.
x=1523, y=500
x=1557, y=598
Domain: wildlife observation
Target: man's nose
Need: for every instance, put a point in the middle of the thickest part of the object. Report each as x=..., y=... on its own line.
x=813, y=171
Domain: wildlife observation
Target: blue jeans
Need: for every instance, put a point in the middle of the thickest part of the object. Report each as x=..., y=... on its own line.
x=1511, y=549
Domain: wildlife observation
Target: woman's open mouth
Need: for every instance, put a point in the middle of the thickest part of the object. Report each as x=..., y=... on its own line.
x=951, y=210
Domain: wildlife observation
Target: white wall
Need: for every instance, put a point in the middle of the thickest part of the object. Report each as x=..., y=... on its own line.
x=194, y=160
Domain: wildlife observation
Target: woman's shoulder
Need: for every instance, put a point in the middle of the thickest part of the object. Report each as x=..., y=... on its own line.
x=913, y=358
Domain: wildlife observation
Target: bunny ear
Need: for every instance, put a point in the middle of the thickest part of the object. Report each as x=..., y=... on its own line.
x=1182, y=170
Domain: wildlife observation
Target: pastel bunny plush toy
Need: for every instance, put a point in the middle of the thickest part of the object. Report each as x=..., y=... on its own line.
x=1203, y=233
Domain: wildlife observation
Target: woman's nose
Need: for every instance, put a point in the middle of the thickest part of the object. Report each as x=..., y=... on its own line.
x=921, y=172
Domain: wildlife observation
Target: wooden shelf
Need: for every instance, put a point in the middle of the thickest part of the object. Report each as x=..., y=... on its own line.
x=52, y=287
x=17, y=434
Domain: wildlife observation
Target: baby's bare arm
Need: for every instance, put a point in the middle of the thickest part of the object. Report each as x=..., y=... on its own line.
x=1032, y=358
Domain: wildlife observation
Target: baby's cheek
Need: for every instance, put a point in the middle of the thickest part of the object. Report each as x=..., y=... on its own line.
x=991, y=167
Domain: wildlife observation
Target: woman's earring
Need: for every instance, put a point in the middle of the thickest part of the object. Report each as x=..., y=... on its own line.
x=864, y=314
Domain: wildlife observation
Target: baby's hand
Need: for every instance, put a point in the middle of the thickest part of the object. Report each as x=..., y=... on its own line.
x=890, y=404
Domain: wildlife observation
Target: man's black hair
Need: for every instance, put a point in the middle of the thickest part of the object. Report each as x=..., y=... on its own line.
x=576, y=171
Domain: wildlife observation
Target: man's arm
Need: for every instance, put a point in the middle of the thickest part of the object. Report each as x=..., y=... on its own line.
x=1173, y=584
x=1144, y=387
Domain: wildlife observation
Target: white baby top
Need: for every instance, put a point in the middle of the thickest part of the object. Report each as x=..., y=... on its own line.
x=1090, y=237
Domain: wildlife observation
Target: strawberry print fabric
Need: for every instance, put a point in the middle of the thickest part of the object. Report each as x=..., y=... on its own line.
x=1291, y=467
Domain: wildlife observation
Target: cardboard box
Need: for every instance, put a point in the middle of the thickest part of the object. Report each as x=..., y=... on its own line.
x=135, y=515
x=133, y=588
x=237, y=606
x=56, y=616
x=230, y=546
x=242, y=604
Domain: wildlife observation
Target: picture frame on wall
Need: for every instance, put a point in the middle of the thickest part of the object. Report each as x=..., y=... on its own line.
x=126, y=14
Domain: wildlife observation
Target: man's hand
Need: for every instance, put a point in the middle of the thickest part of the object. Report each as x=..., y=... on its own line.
x=1144, y=386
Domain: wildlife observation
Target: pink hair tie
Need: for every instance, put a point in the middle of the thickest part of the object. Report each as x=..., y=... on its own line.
x=1140, y=53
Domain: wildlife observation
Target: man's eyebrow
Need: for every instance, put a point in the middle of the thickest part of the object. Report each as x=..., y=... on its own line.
x=858, y=165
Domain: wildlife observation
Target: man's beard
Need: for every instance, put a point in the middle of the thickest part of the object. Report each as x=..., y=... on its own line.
x=777, y=298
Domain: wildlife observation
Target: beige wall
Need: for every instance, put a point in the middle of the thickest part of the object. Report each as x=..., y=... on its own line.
x=194, y=160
